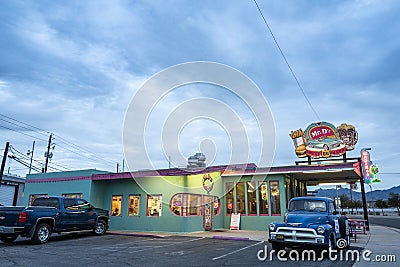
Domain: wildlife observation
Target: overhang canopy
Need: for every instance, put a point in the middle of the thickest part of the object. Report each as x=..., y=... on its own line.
x=312, y=175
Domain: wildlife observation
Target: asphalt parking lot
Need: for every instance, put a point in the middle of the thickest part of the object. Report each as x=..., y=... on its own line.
x=84, y=249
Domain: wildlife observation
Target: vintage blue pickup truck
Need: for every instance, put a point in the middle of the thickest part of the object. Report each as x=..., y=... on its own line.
x=49, y=215
x=310, y=222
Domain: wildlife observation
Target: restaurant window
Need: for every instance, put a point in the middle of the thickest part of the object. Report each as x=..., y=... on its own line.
x=73, y=195
x=116, y=203
x=32, y=197
x=240, y=204
x=154, y=205
x=275, y=197
x=176, y=204
x=229, y=198
x=194, y=204
x=217, y=206
x=263, y=198
x=184, y=204
x=133, y=205
x=287, y=192
x=251, y=198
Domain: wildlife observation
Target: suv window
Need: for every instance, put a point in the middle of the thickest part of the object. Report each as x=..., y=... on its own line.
x=47, y=202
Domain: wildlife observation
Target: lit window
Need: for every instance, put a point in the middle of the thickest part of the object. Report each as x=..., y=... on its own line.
x=133, y=205
x=116, y=203
x=251, y=198
x=73, y=195
x=275, y=197
x=194, y=202
x=154, y=205
x=229, y=198
x=217, y=206
x=263, y=198
x=184, y=204
x=32, y=197
x=240, y=205
x=176, y=204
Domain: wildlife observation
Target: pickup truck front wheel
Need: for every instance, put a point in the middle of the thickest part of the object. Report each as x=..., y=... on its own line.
x=42, y=233
x=8, y=238
x=100, y=228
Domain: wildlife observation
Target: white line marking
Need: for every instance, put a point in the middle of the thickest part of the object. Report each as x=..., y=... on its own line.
x=233, y=252
x=134, y=249
x=169, y=245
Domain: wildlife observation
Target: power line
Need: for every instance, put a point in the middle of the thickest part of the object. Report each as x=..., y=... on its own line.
x=25, y=157
x=34, y=127
x=287, y=63
x=65, y=141
x=69, y=145
x=24, y=127
x=2, y=126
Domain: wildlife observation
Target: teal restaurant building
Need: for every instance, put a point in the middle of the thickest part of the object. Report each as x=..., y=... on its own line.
x=189, y=200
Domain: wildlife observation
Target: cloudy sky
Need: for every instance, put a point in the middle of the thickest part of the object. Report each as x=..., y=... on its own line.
x=72, y=69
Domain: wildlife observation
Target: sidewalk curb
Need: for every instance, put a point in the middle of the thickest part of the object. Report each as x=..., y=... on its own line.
x=231, y=238
x=136, y=234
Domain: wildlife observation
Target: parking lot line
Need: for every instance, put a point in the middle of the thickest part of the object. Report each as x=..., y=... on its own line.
x=235, y=251
x=140, y=248
x=168, y=245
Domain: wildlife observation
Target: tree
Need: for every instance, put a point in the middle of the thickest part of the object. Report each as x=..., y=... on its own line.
x=381, y=204
x=394, y=201
x=344, y=201
x=358, y=204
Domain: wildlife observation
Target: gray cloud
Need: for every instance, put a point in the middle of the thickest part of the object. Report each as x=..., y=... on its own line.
x=73, y=68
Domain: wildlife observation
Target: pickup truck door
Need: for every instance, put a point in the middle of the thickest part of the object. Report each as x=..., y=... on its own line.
x=77, y=215
x=69, y=215
x=333, y=218
x=86, y=218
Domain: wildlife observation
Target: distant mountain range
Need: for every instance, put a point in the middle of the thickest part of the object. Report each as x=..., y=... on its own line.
x=374, y=195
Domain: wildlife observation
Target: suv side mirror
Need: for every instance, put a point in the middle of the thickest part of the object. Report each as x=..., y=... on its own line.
x=335, y=212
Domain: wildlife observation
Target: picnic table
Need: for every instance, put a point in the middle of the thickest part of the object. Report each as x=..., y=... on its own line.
x=357, y=226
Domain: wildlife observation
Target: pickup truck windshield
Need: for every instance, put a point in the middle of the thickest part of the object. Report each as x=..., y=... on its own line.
x=307, y=205
x=47, y=202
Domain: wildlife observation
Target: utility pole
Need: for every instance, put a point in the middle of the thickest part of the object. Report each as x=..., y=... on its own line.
x=48, y=153
x=31, y=153
x=117, y=167
x=3, y=163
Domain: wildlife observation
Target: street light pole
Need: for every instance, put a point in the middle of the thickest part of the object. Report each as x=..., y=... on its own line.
x=373, y=204
x=362, y=181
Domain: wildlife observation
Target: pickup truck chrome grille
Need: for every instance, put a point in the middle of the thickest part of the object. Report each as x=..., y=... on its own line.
x=293, y=234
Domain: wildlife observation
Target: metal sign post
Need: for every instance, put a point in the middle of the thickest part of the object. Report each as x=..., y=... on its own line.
x=208, y=215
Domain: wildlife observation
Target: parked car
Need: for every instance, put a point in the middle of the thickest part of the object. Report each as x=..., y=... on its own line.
x=49, y=215
x=325, y=143
x=310, y=222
